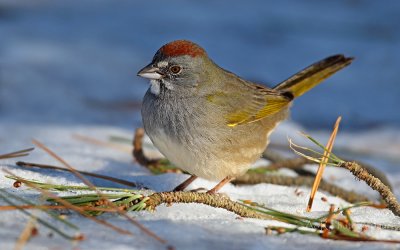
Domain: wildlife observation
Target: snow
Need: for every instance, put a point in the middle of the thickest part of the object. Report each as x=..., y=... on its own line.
x=69, y=68
x=182, y=225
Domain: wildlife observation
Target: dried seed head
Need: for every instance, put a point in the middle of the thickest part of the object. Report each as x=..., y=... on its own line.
x=80, y=237
x=281, y=230
x=17, y=184
x=34, y=231
x=364, y=228
x=63, y=216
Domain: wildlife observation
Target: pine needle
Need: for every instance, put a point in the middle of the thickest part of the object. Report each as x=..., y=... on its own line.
x=93, y=187
x=26, y=234
x=16, y=154
x=55, y=207
x=108, y=144
x=69, y=187
x=323, y=163
x=39, y=220
x=99, y=176
x=69, y=205
x=326, y=226
x=43, y=208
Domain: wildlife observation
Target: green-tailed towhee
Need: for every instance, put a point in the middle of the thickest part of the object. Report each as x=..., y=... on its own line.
x=209, y=121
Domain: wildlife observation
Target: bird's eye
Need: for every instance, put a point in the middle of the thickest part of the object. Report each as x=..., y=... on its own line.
x=175, y=69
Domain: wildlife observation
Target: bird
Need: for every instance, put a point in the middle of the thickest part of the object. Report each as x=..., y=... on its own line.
x=210, y=122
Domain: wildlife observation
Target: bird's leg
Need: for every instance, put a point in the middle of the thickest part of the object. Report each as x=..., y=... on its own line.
x=184, y=184
x=220, y=185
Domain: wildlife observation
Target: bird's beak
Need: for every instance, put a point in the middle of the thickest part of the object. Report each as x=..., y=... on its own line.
x=150, y=72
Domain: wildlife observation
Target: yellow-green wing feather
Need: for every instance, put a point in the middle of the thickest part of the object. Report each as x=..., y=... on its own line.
x=259, y=110
x=313, y=75
x=248, y=105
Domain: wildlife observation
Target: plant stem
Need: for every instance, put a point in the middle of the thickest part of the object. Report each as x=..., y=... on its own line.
x=349, y=196
x=376, y=184
x=213, y=200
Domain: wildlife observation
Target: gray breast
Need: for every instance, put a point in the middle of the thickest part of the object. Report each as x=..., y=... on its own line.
x=176, y=116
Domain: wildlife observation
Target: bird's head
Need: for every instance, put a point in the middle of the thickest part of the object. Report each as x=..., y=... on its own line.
x=178, y=64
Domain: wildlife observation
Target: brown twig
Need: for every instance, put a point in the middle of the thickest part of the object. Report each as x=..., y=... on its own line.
x=297, y=164
x=250, y=179
x=138, y=149
x=375, y=172
x=155, y=166
x=272, y=156
x=213, y=200
x=376, y=184
x=294, y=163
x=104, y=177
x=365, y=239
x=386, y=227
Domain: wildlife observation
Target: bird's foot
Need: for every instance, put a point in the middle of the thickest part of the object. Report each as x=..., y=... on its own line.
x=184, y=184
x=215, y=189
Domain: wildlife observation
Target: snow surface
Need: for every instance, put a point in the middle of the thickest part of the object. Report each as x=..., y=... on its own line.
x=69, y=68
x=183, y=225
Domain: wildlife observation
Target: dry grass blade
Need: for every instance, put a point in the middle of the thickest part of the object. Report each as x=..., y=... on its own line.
x=9, y=197
x=104, y=177
x=15, y=154
x=62, y=161
x=125, y=149
x=69, y=205
x=323, y=163
x=89, y=184
x=26, y=234
x=296, y=148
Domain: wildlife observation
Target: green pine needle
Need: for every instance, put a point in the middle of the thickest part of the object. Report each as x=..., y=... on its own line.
x=4, y=195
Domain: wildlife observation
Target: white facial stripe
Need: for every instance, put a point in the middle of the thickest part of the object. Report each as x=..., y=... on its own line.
x=152, y=75
x=162, y=64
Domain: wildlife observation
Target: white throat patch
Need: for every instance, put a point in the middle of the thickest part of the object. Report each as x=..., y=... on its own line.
x=155, y=86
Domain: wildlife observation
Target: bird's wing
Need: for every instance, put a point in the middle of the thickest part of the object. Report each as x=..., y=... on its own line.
x=248, y=103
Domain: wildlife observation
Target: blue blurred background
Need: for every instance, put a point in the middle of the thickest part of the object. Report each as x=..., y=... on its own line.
x=75, y=62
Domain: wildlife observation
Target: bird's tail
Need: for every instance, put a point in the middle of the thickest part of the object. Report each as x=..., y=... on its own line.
x=313, y=75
